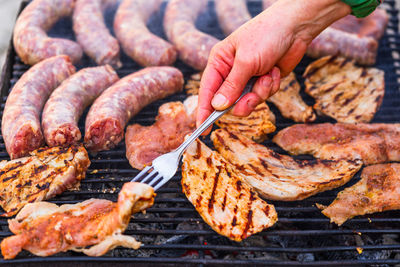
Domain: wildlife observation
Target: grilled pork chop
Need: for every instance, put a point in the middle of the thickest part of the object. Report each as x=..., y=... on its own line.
x=46, y=173
x=44, y=228
x=377, y=191
x=344, y=91
x=372, y=143
x=280, y=177
x=289, y=101
x=218, y=193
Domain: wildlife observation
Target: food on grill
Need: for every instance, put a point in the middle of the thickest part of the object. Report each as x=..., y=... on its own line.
x=344, y=91
x=20, y=125
x=44, y=174
x=377, y=191
x=193, y=45
x=144, y=144
x=280, y=177
x=106, y=120
x=137, y=41
x=231, y=14
x=67, y=103
x=92, y=33
x=31, y=41
x=289, y=101
x=222, y=198
x=372, y=143
x=45, y=229
x=192, y=85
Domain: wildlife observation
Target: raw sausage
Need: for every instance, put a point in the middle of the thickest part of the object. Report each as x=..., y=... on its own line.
x=92, y=33
x=193, y=45
x=231, y=14
x=109, y=114
x=20, y=125
x=30, y=39
x=137, y=41
x=66, y=104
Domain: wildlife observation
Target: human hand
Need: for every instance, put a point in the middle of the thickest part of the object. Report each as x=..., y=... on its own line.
x=269, y=46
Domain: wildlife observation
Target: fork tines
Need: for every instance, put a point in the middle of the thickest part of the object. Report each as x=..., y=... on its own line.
x=152, y=177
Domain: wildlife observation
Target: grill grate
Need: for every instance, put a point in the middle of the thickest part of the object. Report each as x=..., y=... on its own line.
x=172, y=230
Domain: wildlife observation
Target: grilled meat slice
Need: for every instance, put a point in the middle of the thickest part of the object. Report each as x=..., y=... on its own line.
x=218, y=193
x=343, y=91
x=46, y=173
x=377, y=191
x=192, y=86
x=280, y=177
x=44, y=229
x=372, y=143
x=144, y=144
x=289, y=101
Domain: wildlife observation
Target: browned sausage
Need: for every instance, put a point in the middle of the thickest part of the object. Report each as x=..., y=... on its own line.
x=110, y=113
x=193, y=45
x=92, y=33
x=30, y=39
x=137, y=41
x=67, y=103
x=231, y=14
x=21, y=118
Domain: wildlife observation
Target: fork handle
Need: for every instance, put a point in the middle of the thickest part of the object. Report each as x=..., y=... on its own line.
x=212, y=118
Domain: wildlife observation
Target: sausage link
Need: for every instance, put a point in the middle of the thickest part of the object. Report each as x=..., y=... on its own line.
x=137, y=41
x=110, y=113
x=92, y=33
x=231, y=14
x=20, y=125
x=66, y=104
x=30, y=38
x=193, y=45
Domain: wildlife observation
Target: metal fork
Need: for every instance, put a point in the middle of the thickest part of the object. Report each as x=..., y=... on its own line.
x=164, y=167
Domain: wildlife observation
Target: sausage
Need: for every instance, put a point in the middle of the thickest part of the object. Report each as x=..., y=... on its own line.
x=66, y=104
x=231, y=14
x=136, y=40
x=20, y=125
x=30, y=39
x=193, y=45
x=92, y=33
x=106, y=120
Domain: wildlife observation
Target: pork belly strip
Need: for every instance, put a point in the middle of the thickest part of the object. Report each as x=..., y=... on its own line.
x=45, y=229
x=31, y=41
x=66, y=104
x=137, y=41
x=109, y=114
x=377, y=191
x=289, y=101
x=218, y=193
x=193, y=45
x=344, y=91
x=280, y=177
x=20, y=124
x=372, y=143
x=92, y=33
x=46, y=173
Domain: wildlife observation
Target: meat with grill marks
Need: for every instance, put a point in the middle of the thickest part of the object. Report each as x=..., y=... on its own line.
x=377, y=191
x=224, y=201
x=344, y=91
x=46, y=173
x=45, y=229
x=280, y=177
x=289, y=101
x=372, y=143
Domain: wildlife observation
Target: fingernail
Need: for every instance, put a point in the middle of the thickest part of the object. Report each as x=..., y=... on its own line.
x=252, y=103
x=219, y=101
x=276, y=73
x=267, y=82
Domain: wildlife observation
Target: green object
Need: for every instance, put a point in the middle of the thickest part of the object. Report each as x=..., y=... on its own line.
x=362, y=8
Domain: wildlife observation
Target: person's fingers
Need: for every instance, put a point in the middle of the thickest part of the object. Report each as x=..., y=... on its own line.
x=292, y=57
x=268, y=84
x=233, y=85
x=246, y=105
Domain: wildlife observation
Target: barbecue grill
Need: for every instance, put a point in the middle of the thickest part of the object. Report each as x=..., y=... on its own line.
x=173, y=232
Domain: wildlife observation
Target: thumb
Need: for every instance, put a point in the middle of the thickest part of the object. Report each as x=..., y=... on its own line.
x=233, y=86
